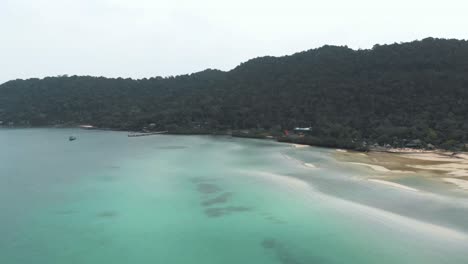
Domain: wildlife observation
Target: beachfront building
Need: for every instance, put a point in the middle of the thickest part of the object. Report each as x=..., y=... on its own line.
x=303, y=130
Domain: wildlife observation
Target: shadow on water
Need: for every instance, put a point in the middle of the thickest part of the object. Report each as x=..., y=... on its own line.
x=220, y=199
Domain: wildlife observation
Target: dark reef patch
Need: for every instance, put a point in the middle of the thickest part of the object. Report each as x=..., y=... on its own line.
x=107, y=214
x=275, y=220
x=282, y=253
x=221, y=211
x=272, y=218
x=214, y=212
x=220, y=199
x=208, y=188
x=200, y=179
x=268, y=243
x=65, y=212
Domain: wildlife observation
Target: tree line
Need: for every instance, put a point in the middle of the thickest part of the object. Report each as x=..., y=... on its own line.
x=390, y=94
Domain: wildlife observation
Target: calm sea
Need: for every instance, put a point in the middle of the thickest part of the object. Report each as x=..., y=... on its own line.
x=108, y=198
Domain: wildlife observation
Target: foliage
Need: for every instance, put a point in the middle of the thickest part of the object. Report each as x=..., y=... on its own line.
x=416, y=90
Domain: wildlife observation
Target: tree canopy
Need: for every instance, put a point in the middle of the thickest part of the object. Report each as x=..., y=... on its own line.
x=415, y=90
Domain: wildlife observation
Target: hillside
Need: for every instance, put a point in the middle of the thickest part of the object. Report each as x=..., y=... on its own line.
x=387, y=94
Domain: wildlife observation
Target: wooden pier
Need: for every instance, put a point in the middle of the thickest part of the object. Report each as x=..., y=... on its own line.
x=147, y=134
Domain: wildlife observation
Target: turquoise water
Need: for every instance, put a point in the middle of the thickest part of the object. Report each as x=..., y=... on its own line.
x=107, y=198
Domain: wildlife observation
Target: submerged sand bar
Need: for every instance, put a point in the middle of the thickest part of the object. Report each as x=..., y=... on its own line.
x=394, y=184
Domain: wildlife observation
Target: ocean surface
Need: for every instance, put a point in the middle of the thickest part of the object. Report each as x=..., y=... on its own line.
x=108, y=198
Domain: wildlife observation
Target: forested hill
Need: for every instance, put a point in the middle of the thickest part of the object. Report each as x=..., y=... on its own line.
x=416, y=90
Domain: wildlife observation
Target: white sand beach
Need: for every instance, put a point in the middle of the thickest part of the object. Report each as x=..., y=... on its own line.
x=455, y=165
x=459, y=173
x=299, y=146
x=438, y=164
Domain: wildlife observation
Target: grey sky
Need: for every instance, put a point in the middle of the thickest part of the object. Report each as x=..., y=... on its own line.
x=144, y=38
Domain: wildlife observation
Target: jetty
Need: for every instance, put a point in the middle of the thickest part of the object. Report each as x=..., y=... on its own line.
x=146, y=134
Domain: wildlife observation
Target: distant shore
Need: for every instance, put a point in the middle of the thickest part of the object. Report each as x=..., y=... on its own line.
x=451, y=167
x=327, y=142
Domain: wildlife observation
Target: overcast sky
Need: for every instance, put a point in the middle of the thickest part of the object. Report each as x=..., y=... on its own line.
x=144, y=38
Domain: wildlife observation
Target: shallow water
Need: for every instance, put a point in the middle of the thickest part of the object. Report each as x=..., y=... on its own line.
x=107, y=198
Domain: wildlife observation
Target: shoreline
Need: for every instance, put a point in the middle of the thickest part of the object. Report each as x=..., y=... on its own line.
x=409, y=151
x=445, y=167
x=234, y=133
x=450, y=167
x=394, y=184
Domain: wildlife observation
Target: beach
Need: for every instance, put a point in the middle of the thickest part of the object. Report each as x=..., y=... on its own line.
x=440, y=165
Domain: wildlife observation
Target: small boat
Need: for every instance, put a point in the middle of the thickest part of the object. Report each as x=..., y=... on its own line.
x=71, y=138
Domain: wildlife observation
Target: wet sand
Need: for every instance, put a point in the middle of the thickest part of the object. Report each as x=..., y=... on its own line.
x=444, y=166
x=374, y=167
x=310, y=165
x=396, y=185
